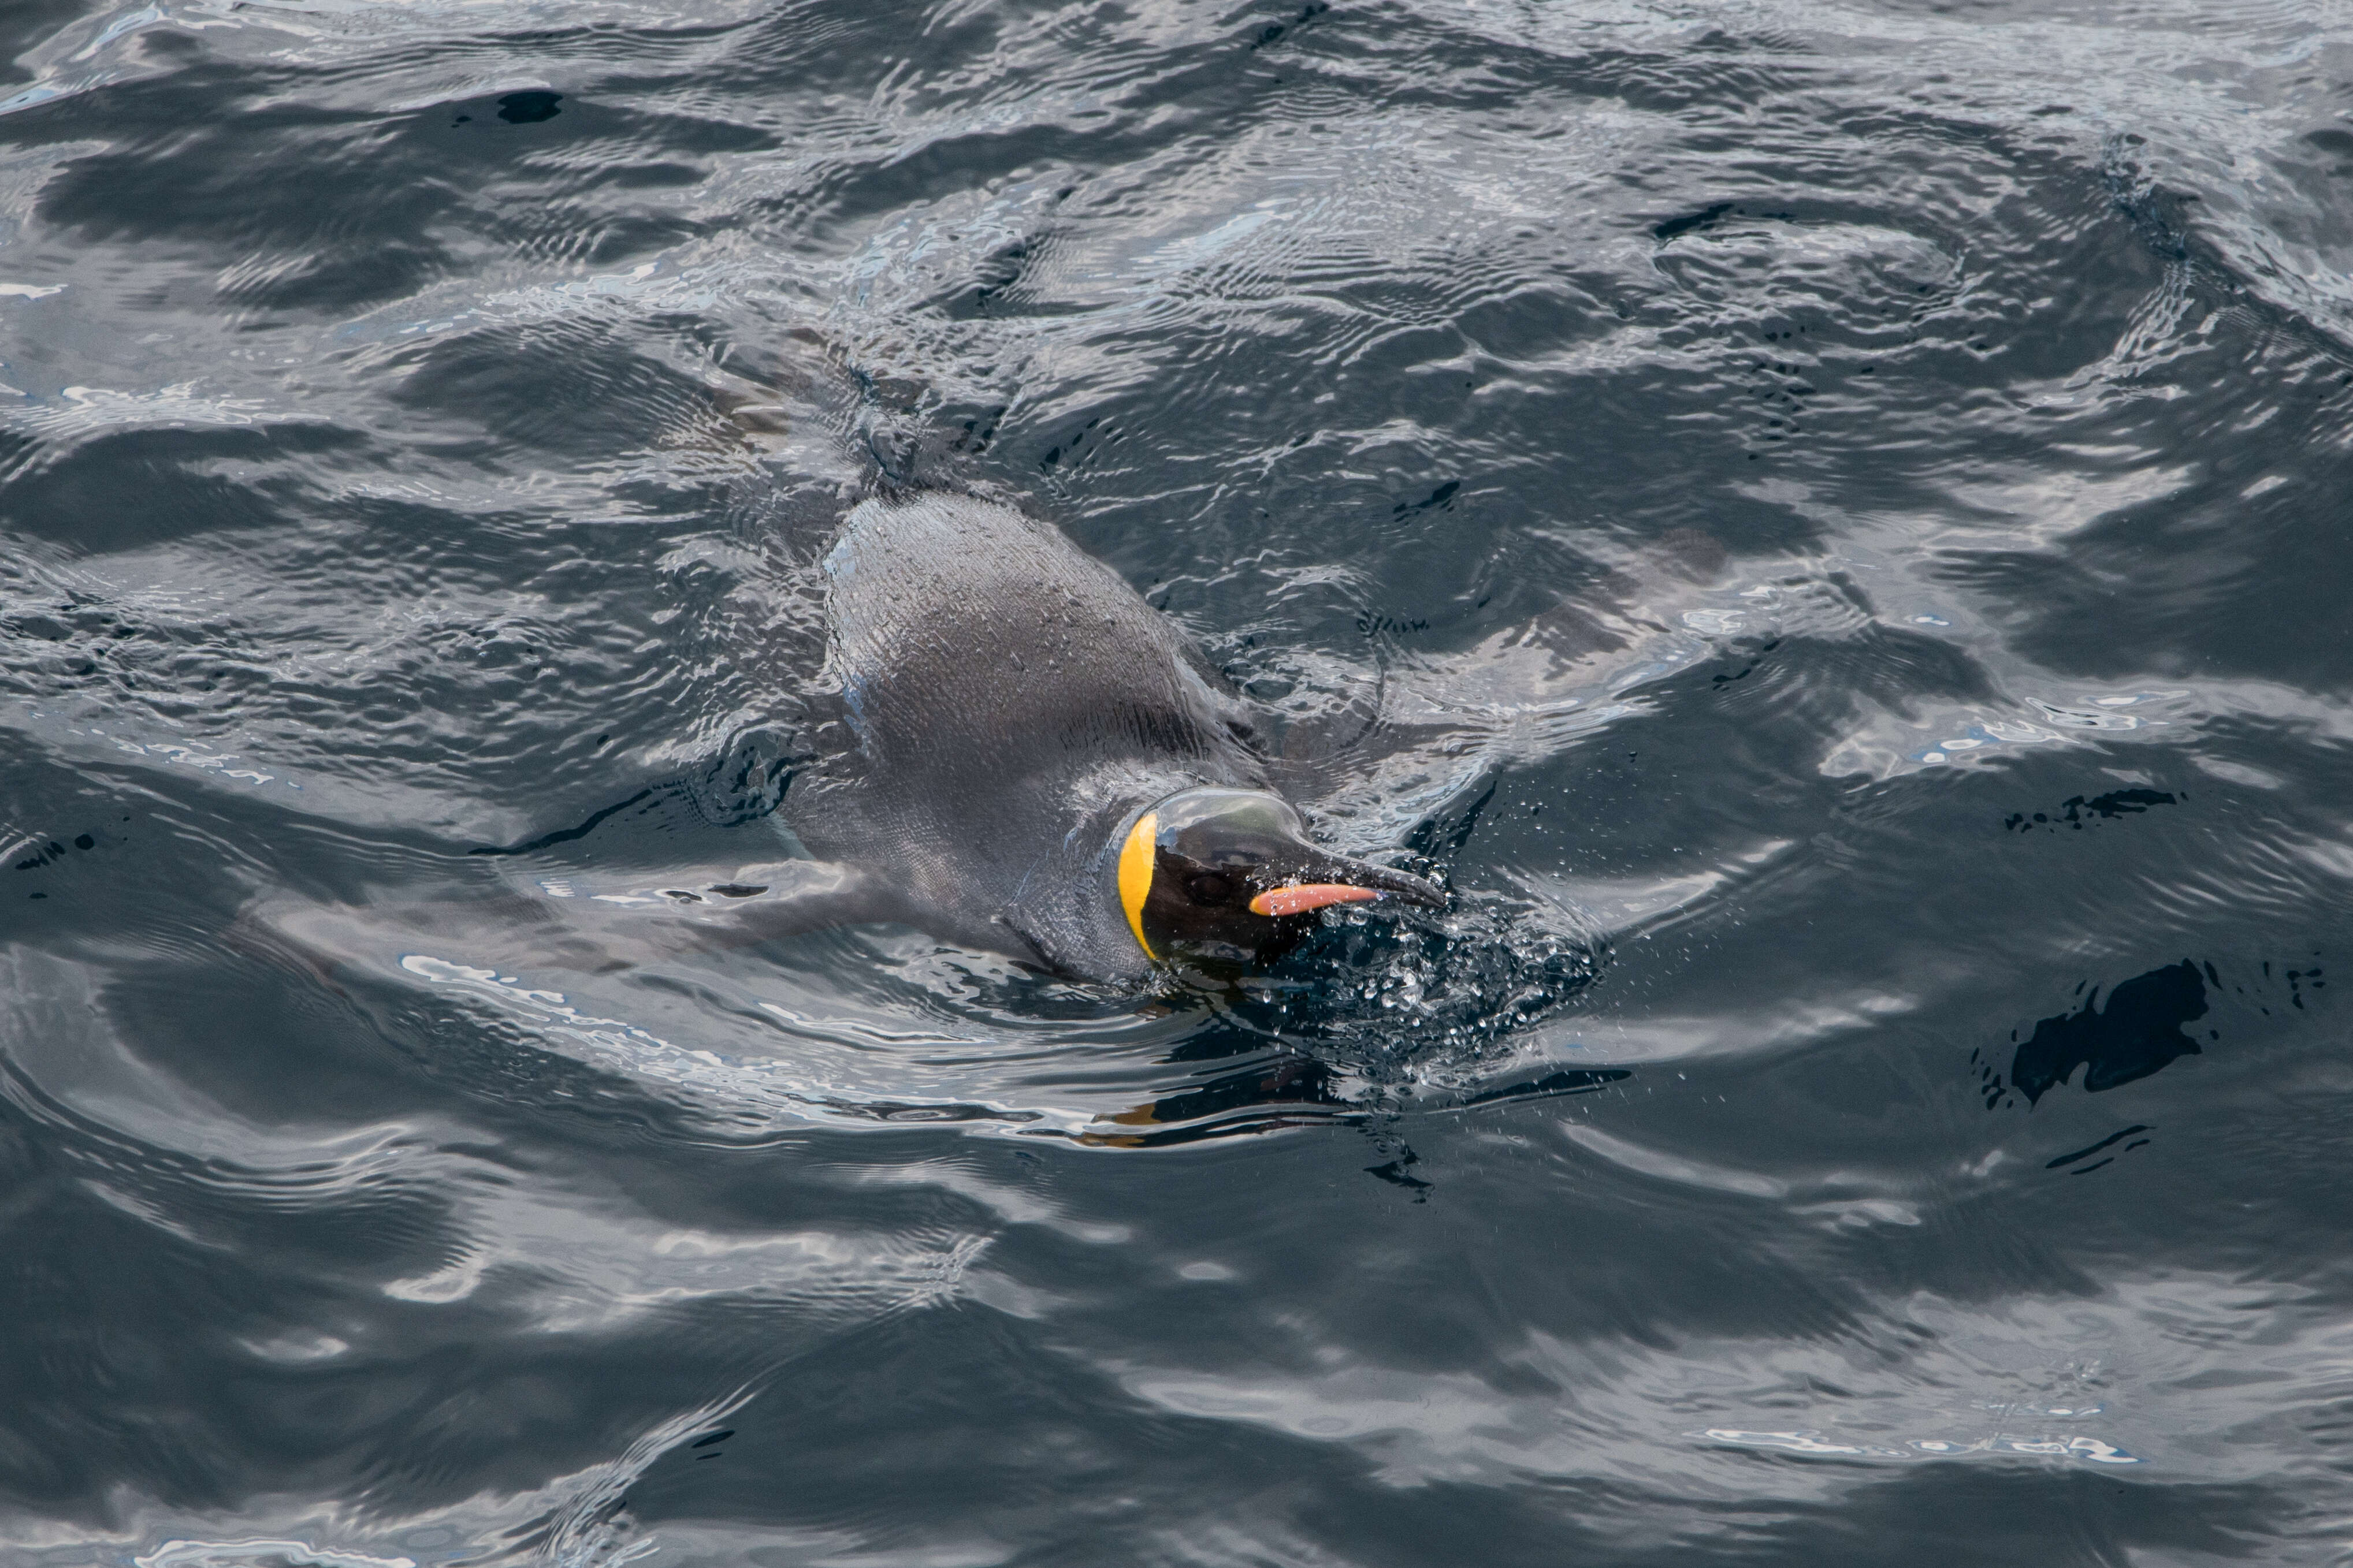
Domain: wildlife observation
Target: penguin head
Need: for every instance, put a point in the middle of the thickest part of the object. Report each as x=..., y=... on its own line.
x=1227, y=878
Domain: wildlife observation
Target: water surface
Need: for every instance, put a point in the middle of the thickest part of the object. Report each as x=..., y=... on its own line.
x=1828, y=507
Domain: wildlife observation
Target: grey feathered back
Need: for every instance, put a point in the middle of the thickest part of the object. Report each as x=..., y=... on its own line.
x=1004, y=702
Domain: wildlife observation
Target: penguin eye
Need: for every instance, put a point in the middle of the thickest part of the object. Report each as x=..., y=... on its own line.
x=1208, y=888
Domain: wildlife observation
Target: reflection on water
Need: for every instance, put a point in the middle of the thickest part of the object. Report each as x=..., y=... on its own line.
x=2142, y=1027
x=1817, y=523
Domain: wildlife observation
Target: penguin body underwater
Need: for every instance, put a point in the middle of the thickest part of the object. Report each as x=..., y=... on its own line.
x=1014, y=752
x=1032, y=760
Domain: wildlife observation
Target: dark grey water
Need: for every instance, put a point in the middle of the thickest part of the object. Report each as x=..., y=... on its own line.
x=1879, y=1097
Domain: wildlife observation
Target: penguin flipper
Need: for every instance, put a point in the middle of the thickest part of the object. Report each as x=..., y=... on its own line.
x=707, y=909
x=597, y=934
x=1436, y=728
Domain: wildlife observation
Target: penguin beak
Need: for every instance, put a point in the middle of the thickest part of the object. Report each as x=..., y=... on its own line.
x=1301, y=897
x=1334, y=880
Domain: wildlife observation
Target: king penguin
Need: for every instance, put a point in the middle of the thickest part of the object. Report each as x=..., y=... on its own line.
x=1031, y=759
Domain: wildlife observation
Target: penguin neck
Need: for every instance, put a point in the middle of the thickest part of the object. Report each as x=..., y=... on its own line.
x=1067, y=903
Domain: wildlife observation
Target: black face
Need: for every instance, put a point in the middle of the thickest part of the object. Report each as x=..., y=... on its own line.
x=1216, y=850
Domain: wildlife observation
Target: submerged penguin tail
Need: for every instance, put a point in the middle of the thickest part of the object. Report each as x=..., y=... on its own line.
x=806, y=402
x=773, y=399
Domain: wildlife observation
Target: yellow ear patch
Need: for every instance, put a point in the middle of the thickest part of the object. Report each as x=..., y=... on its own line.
x=1136, y=861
